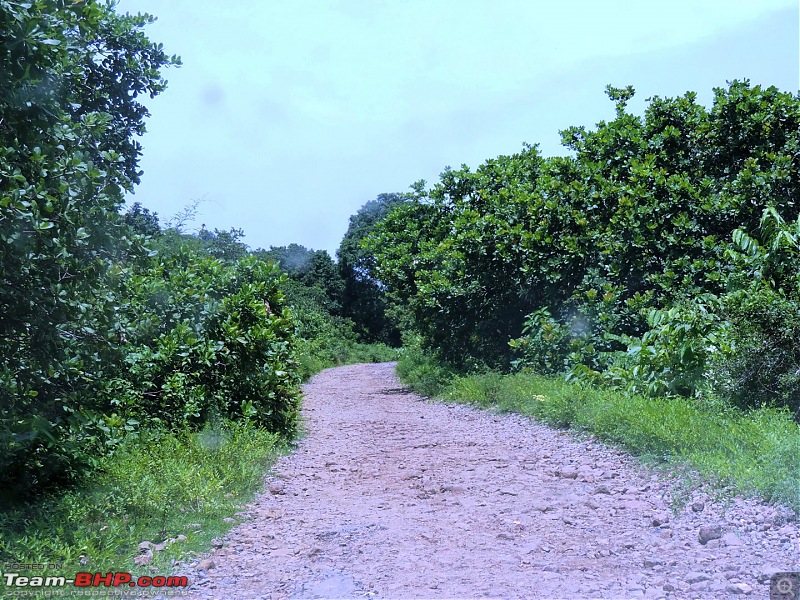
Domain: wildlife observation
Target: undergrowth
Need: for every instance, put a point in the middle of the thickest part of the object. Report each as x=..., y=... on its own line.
x=154, y=488
x=753, y=452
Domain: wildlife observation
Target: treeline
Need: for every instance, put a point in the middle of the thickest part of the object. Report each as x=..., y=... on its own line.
x=660, y=256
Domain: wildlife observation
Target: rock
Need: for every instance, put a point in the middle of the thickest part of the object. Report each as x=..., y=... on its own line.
x=568, y=473
x=159, y=547
x=696, y=577
x=276, y=488
x=660, y=520
x=698, y=506
x=217, y=543
x=739, y=588
x=144, y=559
x=709, y=533
x=601, y=489
x=180, y=538
x=145, y=546
x=652, y=562
x=206, y=564
x=731, y=539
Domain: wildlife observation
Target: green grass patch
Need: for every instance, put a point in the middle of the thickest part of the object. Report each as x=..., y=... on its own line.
x=317, y=355
x=154, y=488
x=754, y=452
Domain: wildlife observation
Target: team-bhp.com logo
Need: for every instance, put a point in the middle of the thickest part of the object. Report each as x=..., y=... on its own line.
x=94, y=580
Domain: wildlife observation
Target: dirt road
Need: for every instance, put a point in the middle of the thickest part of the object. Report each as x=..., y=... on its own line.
x=393, y=496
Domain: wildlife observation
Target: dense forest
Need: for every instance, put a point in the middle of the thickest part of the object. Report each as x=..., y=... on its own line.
x=660, y=256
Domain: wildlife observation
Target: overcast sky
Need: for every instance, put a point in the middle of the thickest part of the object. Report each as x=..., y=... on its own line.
x=287, y=116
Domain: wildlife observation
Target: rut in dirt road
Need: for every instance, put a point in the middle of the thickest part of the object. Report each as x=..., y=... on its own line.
x=393, y=496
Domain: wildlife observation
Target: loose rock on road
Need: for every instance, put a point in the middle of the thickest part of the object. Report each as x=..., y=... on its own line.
x=393, y=496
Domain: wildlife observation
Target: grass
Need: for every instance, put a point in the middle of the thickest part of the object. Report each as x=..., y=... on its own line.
x=318, y=356
x=156, y=487
x=755, y=452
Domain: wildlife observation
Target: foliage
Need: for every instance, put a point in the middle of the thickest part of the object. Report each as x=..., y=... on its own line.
x=634, y=243
x=311, y=268
x=545, y=344
x=764, y=369
x=206, y=341
x=70, y=79
x=362, y=295
x=672, y=358
x=142, y=221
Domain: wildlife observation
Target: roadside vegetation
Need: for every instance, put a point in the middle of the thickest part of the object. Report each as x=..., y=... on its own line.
x=645, y=287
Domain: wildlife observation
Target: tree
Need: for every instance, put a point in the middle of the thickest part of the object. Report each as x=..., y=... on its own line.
x=363, y=296
x=71, y=74
x=141, y=220
x=313, y=268
x=639, y=219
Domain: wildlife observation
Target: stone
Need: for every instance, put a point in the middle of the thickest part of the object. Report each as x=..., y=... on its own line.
x=206, y=564
x=731, y=539
x=144, y=559
x=739, y=588
x=709, y=533
x=276, y=488
x=568, y=473
x=145, y=546
x=660, y=519
x=696, y=577
x=698, y=506
x=652, y=562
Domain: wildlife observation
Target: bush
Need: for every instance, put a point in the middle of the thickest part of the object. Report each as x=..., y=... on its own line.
x=763, y=367
x=208, y=341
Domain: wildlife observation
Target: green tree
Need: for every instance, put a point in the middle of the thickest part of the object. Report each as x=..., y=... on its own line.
x=312, y=268
x=638, y=219
x=363, y=298
x=71, y=74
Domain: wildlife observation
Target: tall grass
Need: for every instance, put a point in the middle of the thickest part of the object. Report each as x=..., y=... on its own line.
x=755, y=452
x=154, y=488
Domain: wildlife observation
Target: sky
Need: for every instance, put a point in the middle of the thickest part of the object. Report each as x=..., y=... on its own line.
x=287, y=117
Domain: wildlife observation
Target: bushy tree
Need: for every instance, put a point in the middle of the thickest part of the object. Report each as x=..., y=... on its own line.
x=311, y=268
x=363, y=298
x=71, y=77
x=605, y=249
